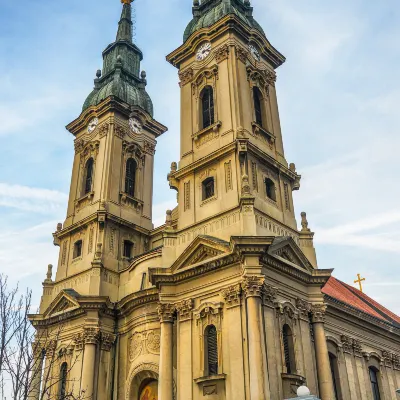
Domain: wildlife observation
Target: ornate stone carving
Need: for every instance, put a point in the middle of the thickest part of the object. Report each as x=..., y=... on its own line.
x=91, y=335
x=222, y=53
x=149, y=148
x=185, y=77
x=357, y=348
x=352, y=346
x=184, y=309
x=51, y=348
x=228, y=175
x=79, y=341
x=107, y=340
x=287, y=312
x=209, y=390
x=304, y=308
x=120, y=131
x=208, y=76
x=153, y=341
x=253, y=286
x=90, y=150
x=318, y=313
x=241, y=54
x=135, y=346
x=103, y=130
x=166, y=312
x=232, y=295
x=269, y=294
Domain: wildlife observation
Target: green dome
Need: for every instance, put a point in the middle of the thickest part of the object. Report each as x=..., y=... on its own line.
x=206, y=15
x=121, y=66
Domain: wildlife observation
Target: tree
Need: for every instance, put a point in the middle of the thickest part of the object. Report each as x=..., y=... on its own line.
x=31, y=367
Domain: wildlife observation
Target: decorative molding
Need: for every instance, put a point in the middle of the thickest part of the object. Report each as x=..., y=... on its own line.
x=275, y=228
x=149, y=148
x=186, y=199
x=120, y=131
x=352, y=346
x=107, y=340
x=103, y=129
x=318, y=313
x=232, y=295
x=228, y=175
x=207, y=76
x=166, y=312
x=241, y=54
x=253, y=286
x=184, y=309
x=269, y=295
x=221, y=53
x=185, y=76
x=91, y=335
x=304, y=309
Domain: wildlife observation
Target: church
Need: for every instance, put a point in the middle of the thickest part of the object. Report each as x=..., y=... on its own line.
x=226, y=300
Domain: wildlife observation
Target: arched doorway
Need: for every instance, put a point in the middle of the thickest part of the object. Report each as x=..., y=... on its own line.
x=149, y=390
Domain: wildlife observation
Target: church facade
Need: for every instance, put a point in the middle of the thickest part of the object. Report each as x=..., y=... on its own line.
x=226, y=299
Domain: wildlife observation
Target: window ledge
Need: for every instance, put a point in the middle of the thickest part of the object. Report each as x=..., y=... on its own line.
x=211, y=378
x=84, y=200
x=258, y=129
x=204, y=202
x=129, y=200
x=76, y=259
x=215, y=127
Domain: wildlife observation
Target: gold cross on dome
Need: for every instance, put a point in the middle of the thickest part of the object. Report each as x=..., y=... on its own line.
x=359, y=281
x=126, y=1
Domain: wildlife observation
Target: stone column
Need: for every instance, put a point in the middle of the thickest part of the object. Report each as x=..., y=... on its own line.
x=166, y=377
x=252, y=287
x=36, y=378
x=91, y=337
x=321, y=353
x=184, y=341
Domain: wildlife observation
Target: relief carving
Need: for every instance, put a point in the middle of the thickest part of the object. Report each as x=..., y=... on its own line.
x=252, y=286
x=232, y=295
x=144, y=343
x=222, y=53
x=185, y=76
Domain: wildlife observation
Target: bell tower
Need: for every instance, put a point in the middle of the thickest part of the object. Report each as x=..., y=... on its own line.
x=232, y=157
x=109, y=213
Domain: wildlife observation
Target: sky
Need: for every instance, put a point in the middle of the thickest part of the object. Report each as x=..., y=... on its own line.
x=338, y=96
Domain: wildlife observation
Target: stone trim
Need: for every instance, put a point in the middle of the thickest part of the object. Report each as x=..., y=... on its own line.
x=232, y=295
x=184, y=309
x=252, y=286
x=166, y=312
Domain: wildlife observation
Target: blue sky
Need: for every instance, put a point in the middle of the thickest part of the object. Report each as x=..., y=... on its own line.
x=338, y=95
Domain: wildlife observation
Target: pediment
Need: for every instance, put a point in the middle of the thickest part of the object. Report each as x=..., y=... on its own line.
x=201, y=249
x=64, y=302
x=286, y=249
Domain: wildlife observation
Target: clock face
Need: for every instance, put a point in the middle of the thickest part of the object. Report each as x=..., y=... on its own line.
x=135, y=125
x=92, y=124
x=254, y=52
x=203, y=51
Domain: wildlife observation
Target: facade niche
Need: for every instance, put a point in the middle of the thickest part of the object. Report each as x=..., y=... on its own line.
x=207, y=107
x=211, y=350
x=77, y=249
x=130, y=177
x=88, y=177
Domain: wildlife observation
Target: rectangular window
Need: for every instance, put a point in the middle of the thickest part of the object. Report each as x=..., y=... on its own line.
x=77, y=249
x=208, y=188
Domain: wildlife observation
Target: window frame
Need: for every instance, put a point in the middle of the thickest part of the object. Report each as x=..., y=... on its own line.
x=131, y=247
x=62, y=386
x=78, y=244
x=375, y=386
x=268, y=181
x=207, y=115
x=88, y=178
x=211, y=351
x=258, y=106
x=288, y=349
x=131, y=178
x=204, y=184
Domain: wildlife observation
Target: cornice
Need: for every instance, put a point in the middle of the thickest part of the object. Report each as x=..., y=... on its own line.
x=229, y=23
x=359, y=314
x=134, y=300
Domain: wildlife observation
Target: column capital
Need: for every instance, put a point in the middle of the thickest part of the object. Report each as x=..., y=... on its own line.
x=253, y=286
x=232, y=295
x=107, y=340
x=270, y=293
x=318, y=313
x=166, y=312
x=304, y=308
x=184, y=309
x=91, y=335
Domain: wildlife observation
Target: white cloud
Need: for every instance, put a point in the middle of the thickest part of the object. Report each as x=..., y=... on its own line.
x=31, y=199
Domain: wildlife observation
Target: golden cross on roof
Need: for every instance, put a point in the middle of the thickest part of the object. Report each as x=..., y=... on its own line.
x=359, y=280
x=126, y=1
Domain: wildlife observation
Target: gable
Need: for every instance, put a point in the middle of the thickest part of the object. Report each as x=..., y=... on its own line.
x=65, y=301
x=201, y=249
x=285, y=249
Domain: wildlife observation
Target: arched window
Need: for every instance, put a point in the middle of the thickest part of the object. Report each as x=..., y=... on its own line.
x=88, y=176
x=335, y=374
x=270, y=189
x=130, y=177
x=288, y=348
x=77, y=249
x=207, y=107
x=211, y=350
x=373, y=376
x=208, y=188
x=62, y=385
x=257, y=105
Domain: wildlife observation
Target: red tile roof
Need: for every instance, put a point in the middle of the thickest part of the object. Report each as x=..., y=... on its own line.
x=348, y=294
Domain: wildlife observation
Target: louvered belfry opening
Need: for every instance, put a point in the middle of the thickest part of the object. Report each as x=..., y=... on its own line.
x=212, y=350
x=373, y=376
x=288, y=348
x=257, y=105
x=207, y=102
x=62, y=389
x=130, y=177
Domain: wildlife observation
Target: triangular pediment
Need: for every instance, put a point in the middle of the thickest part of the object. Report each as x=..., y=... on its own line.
x=65, y=301
x=285, y=249
x=202, y=248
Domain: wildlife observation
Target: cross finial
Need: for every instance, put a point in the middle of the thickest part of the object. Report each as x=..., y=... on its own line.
x=359, y=281
x=126, y=1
